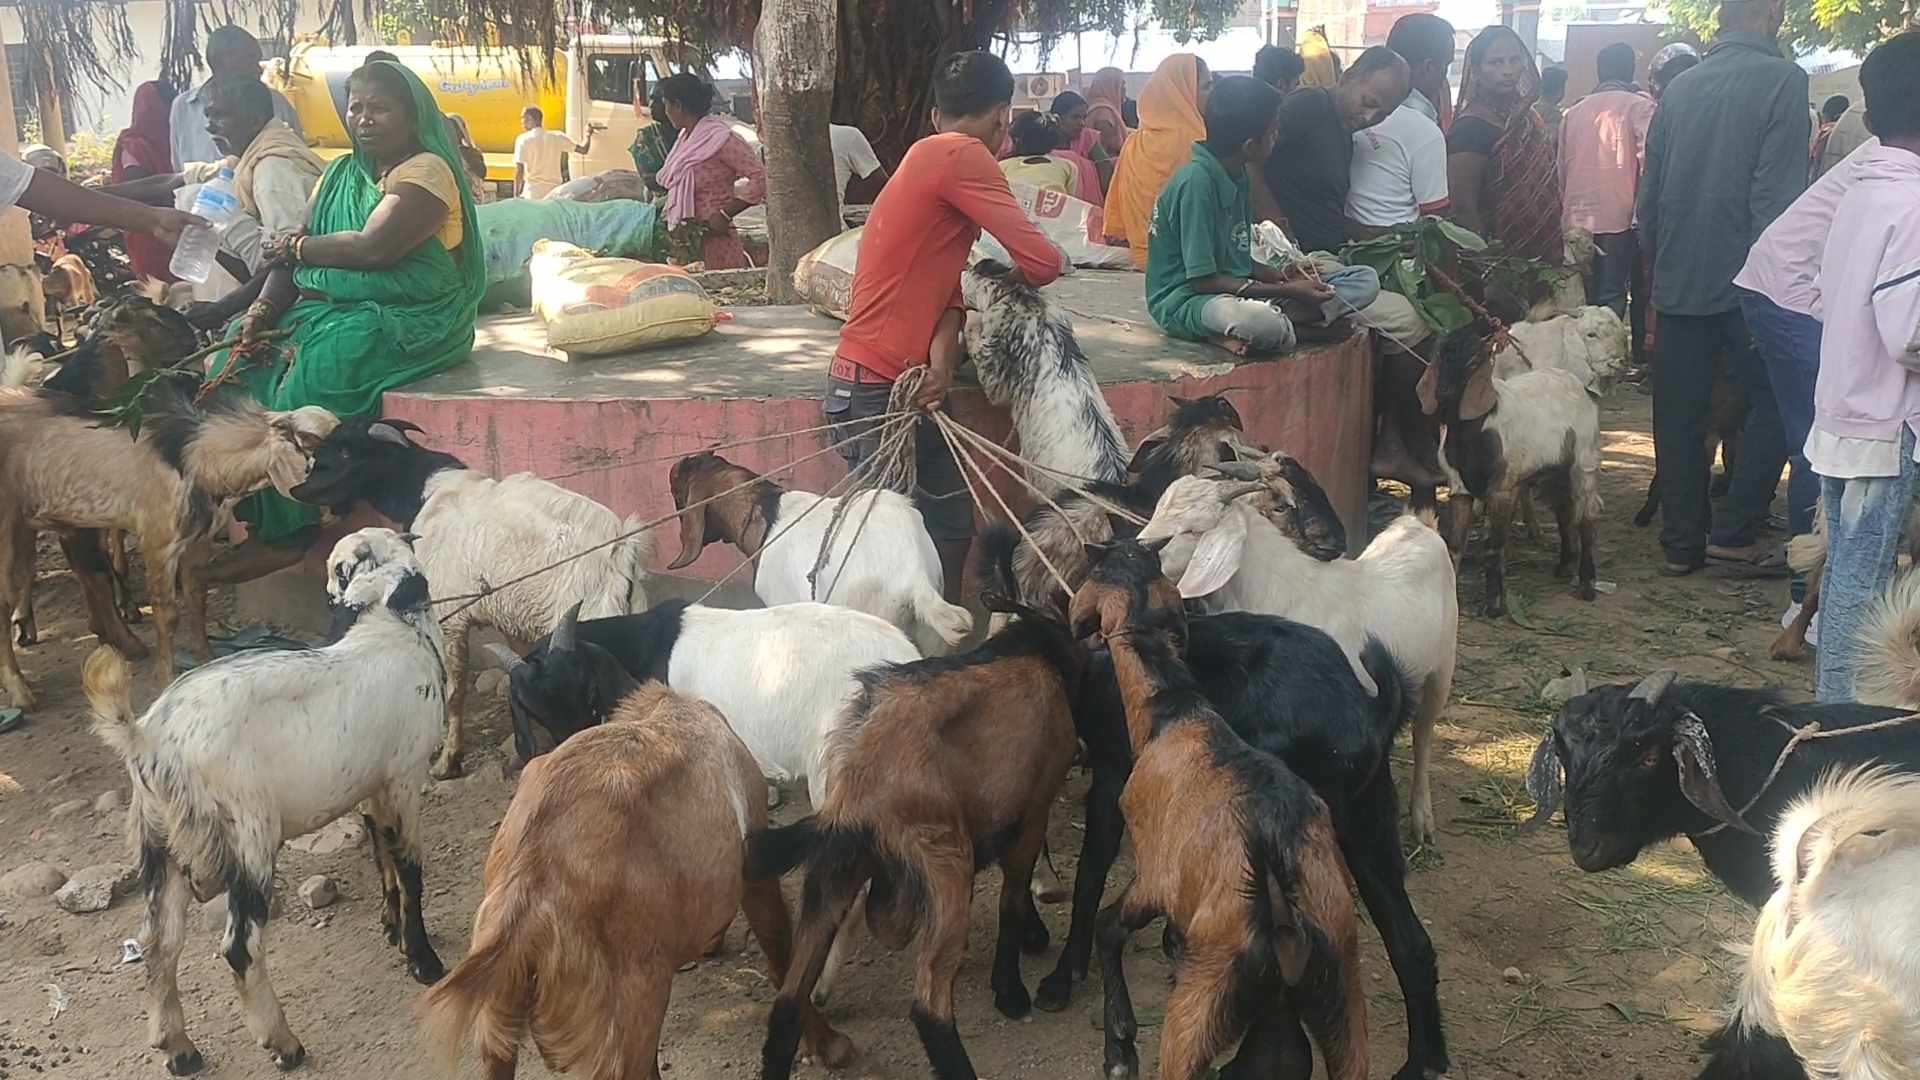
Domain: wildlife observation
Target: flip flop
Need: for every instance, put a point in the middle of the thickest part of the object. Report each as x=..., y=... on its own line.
x=1767, y=565
x=10, y=719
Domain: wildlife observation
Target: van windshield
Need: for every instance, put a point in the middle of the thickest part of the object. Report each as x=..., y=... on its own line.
x=610, y=76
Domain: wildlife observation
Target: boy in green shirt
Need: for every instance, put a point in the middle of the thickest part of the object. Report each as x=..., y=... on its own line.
x=1202, y=281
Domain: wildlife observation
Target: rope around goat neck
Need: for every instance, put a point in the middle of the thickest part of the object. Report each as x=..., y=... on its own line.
x=1802, y=734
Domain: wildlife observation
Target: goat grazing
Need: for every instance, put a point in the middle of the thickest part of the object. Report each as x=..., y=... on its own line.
x=61, y=470
x=1286, y=689
x=1228, y=555
x=1642, y=764
x=895, y=575
x=618, y=861
x=1830, y=971
x=940, y=767
x=1232, y=847
x=216, y=792
x=1502, y=436
x=472, y=530
x=1028, y=360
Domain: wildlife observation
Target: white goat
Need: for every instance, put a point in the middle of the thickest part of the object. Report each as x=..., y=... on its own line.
x=1832, y=968
x=882, y=562
x=216, y=790
x=476, y=534
x=1028, y=360
x=1400, y=590
x=1593, y=346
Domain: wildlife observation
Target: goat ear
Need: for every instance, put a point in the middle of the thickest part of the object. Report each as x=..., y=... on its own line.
x=1545, y=779
x=1654, y=687
x=693, y=534
x=1427, y=389
x=564, y=634
x=501, y=656
x=1479, y=397
x=1699, y=778
x=1157, y=546
x=388, y=432
x=1148, y=447
x=1216, y=558
x=1097, y=552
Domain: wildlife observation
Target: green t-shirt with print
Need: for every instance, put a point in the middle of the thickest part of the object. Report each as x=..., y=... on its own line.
x=1201, y=225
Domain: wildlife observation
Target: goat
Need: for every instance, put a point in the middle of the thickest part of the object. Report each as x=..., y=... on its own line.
x=23, y=306
x=473, y=530
x=67, y=286
x=1807, y=554
x=618, y=861
x=940, y=767
x=1499, y=437
x=1287, y=689
x=1400, y=590
x=60, y=470
x=1664, y=758
x=895, y=576
x=1028, y=360
x=1837, y=932
x=1592, y=345
x=1231, y=846
x=216, y=792
x=1726, y=413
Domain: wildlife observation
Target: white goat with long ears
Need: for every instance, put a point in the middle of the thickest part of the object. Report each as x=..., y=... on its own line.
x=254, y=748
x=1027, y=358
x=882, y=562
x=1592, y=345
x=1223, y=551
x=475, y=535
x=1832, y=969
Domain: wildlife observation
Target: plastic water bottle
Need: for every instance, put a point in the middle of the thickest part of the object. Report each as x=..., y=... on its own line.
x=217, y=204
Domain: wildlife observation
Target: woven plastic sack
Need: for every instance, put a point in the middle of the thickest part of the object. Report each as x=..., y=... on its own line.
x=509, y=228
x=593, y=305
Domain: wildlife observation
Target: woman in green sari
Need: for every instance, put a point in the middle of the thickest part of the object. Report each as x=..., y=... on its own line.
x=380, y=290
x=652, y=142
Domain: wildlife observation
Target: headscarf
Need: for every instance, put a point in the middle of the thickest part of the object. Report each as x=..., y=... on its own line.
x=1322, y=67
x=147, y=143
x=1170, y=124
x=1522, y=186
x=1106, y=95
x=695, y=146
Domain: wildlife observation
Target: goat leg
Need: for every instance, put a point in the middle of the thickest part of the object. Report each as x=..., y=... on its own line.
x=1017, y=918
x=245, y=949
x=1560, y=494
x=1275, y=1046
x=767, y=918
x=950, y=900
x=397, y=814
x=1201, y=1019
x=16, y=576
x=389, y=881
x=193, y=595
x=1651, y=506
x=1792, y=642
x=26, y=632
x=1098, y=849
x=90, y=567
x=450, y=766
x=1365, y=828
x=828, y=894
x=1499, y=514
x=163, y=936
x=124, y=600
x=1116, y=924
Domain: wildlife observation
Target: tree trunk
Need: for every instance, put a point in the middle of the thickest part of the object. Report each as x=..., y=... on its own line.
x=793, y=69
x=888, y=50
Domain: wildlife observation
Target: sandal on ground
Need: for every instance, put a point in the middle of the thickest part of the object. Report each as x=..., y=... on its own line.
x=1680, y=569
x=1748, y=562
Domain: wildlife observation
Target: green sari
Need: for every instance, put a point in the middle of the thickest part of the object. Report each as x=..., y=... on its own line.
x=376, y=329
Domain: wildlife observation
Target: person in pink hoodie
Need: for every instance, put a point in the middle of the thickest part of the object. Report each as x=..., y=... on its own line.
x=1866, y=402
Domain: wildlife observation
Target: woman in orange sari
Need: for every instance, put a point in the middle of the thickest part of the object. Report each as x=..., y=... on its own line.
x=1171, y=107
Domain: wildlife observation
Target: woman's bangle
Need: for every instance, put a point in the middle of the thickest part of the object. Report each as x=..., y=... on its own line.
x=294, y=248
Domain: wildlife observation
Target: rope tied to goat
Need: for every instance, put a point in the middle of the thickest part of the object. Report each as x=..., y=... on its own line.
x=895, y=467
x=1801, y=734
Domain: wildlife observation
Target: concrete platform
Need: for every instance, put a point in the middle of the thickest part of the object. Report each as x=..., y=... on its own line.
x=610, y=427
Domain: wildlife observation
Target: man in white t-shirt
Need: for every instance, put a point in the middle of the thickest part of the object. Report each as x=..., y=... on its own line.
x=540, y=156
x=1399, y=169
x=854, y=159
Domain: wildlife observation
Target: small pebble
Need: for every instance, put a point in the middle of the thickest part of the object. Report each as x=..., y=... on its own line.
x=32, y=880
x=1513, y=975
x=319, y=891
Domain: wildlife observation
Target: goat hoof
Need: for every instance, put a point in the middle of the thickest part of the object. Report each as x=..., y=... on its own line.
x=26, y=635
x=186, y=1064
x=1496, y=609
x=291, y=1059
x=835, y=1052
x=448, y=768
x=1013, y=1004
x=1127, y=1068
x=426, y=970
x=1054, y=995
x=1586, y=591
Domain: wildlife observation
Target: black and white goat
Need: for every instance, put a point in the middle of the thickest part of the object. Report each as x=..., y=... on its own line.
x=216, y=791
x=474, y=530
x=1028, y=360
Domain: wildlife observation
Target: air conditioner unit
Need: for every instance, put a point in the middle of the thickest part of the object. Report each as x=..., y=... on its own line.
x=1044, y=86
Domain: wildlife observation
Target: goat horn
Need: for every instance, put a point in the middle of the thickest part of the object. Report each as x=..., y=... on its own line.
x=506, y=659
x=1654, y=686
x=1238, y=470
x=564, y=633
x=1544, y=783
x=1241, y=491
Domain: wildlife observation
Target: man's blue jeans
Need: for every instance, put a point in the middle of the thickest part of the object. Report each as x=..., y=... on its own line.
x=1864, y=521
x=1789, y=344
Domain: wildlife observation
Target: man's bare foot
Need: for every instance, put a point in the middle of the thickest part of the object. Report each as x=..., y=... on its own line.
x=1231, y=344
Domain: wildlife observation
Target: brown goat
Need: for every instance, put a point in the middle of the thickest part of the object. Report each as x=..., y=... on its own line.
x=618, y=861
x=946, y=765
x=60, y=469
x=1232, y=847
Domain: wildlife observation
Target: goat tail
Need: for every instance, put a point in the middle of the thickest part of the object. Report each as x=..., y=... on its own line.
x=1314, y=937
x=1396, y=702
x=109, y=688
x=1886, y=659
x=774, y=852
x=23, y=365
x=632, y=556
x=485, y=1000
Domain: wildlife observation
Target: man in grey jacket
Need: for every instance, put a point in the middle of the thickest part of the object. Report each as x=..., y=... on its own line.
x=1725, y=156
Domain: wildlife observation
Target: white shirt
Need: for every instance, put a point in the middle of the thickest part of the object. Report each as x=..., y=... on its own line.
x=188, y=124
x=1399, y=170
x=15, y=175
x=539, y=152
x=852, y=156
x=1785, y=262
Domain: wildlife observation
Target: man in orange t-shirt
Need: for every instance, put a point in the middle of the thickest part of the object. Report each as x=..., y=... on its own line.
x=906, y=309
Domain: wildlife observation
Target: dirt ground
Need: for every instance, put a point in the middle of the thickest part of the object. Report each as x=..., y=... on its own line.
x=1545, y=972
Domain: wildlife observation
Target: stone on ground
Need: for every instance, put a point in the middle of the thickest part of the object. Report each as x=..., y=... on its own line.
x=336, y=836
x=95, y=888
x=31, y=880
x=319, y=891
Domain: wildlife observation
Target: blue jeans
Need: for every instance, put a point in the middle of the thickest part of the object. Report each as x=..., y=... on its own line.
x=1789, y=343
x=1265, y=327
x=1865, y=518
x=1614, y=257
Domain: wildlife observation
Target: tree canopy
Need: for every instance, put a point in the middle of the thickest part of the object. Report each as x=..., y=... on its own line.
x=1853, y=25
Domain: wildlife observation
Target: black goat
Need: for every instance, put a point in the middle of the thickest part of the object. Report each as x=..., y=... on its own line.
x=1287, y=689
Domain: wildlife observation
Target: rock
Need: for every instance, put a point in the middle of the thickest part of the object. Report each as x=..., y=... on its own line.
x=69, y=808
x=319, y=891
x=95, y=888
x=335, y=836
x=31, y=880
x=491, y=683
x=107, y=803
x=1513, y=976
